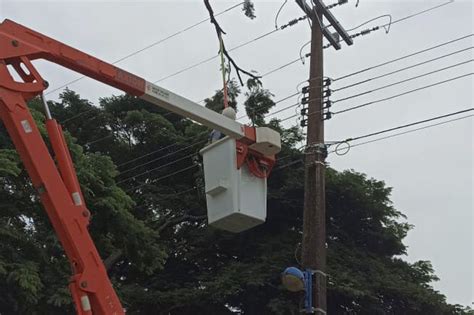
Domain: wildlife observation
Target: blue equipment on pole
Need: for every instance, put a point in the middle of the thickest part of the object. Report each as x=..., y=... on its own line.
x=296, y=280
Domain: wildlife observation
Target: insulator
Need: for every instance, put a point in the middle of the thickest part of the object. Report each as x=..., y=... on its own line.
x=304, y=111
x=304, y=123
x=305, y=89
x=327, y=93
x=327, y=104
x=305, y=100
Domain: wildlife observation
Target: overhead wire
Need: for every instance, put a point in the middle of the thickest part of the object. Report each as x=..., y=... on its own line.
x=278, y=13
x=421, y=12
x=401, y=58
x=403, y=69
x=285, y=119
x=277, y=69
x=163, y=177
x=401, y=19
x=401, y=82
x=351, y=74
x=375, y=28
x=351, y=139
x=151, y=45
x=177, y=151
x=408, y=131
x=290, y=23
x=371, y=20
x=419, y=122
x=402, y=94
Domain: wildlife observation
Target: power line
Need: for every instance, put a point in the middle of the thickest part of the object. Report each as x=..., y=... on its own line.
x=148, y=154
x=291, y=23
x=371, y=20
x=403, y=69
x=351, y=139
x=401, y=94
x=175, y=144
x=403, y=57
x=400, y=82
x=409, y=125
x=375, y=28
x=182, y=149
x=163, y=177
x=157, y=168
x=407, y=132
x=278, y=13
x=149, y=46
x=421, y=12
x=162, y=157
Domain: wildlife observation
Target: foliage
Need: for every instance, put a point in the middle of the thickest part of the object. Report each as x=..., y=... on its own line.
x=166, y=260
x=249, y=9
x=258, y=102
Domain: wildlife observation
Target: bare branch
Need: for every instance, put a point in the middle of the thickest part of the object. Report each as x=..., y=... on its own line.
x=219, y=32
x=177, y=220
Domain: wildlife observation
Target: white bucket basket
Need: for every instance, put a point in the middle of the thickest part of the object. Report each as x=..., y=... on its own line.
x=236, y=199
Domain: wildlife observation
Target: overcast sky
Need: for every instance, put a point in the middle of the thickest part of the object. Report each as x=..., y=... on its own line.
x=431, y=171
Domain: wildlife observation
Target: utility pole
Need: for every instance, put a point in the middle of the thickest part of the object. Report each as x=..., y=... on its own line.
x=314, y=216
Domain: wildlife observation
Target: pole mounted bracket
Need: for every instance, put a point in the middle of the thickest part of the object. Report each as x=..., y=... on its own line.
x=321, y=8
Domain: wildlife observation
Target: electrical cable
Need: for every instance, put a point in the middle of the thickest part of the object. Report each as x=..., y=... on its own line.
x=184, y=148
x=403, y=69
x=278, y=13
x=401, y=58
x=400, y=82
x=291, y=23
x=301, y=51
x=282, y=66
x=150, y=46
x=375, y=28
x=162, y=157
x=371, y=20
x=163, y=177
x=357, y=144
x=421, y=12
x=407, y=132
x=409, y=125
x=148, y=154
x=401, y=94
x=157, y=168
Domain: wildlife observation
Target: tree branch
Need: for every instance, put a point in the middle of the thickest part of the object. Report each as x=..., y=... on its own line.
x=110, y=261
x=186, y=217
x=219, y=32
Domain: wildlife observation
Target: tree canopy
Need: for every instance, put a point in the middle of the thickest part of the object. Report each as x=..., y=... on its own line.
x=141, y=175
